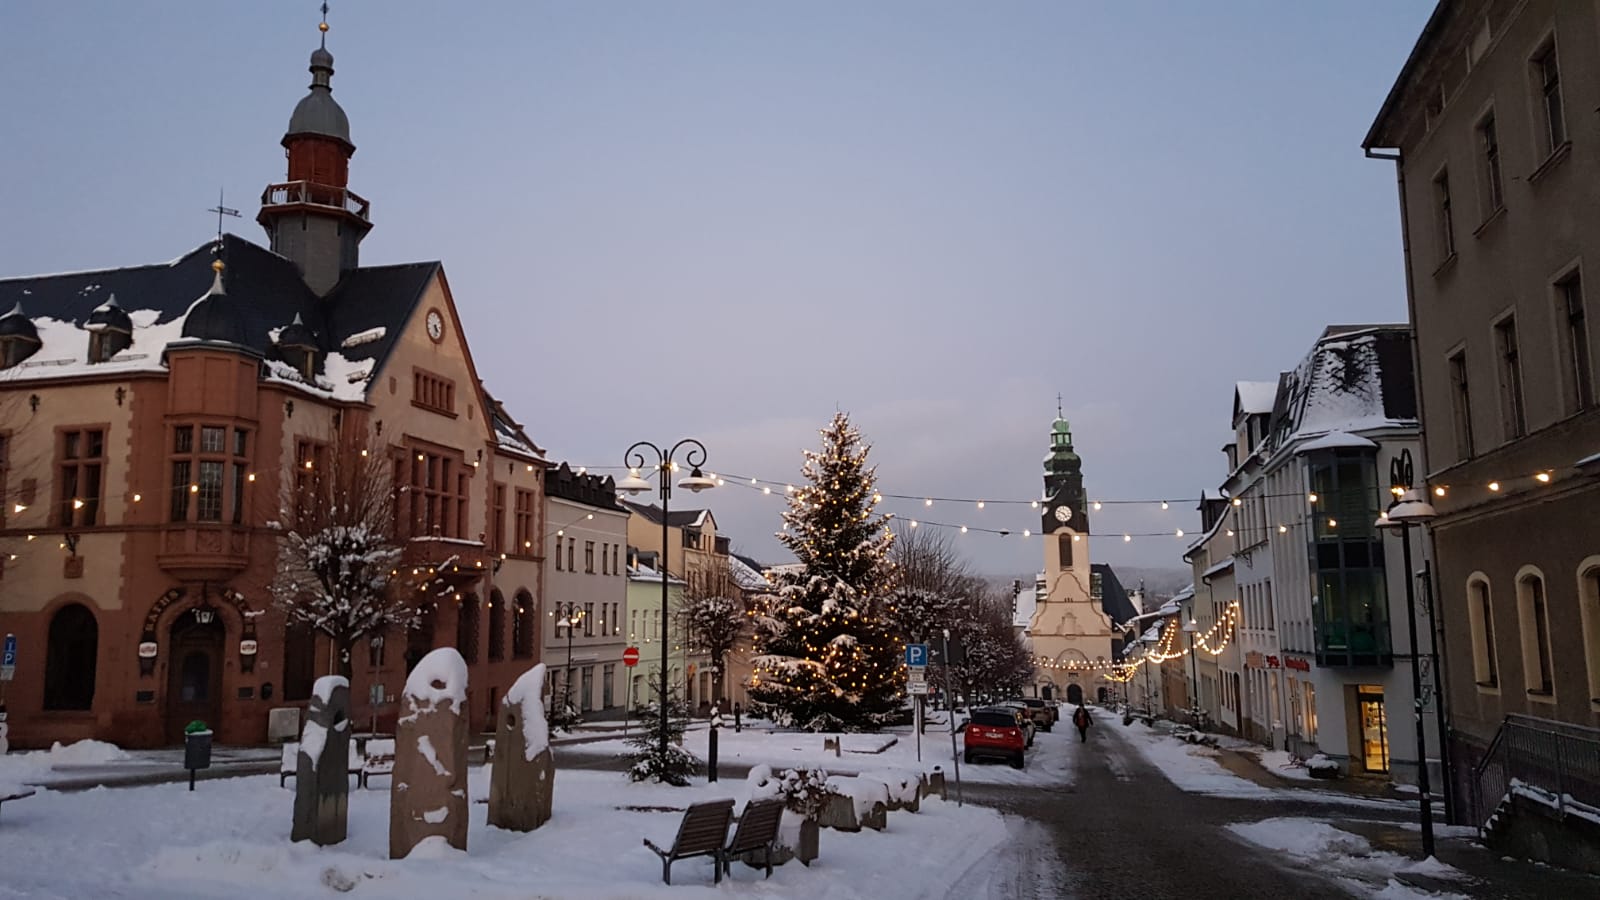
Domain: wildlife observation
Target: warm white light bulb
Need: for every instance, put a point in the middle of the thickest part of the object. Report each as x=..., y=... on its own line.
x=1126, y=538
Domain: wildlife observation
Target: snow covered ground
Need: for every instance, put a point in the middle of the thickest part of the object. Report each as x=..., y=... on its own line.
x=1194, y=768
x=1048, y=762
x=231, y=837
x=1348, y=858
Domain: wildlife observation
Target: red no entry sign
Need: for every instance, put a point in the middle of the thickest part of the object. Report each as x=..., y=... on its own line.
x=630, y=657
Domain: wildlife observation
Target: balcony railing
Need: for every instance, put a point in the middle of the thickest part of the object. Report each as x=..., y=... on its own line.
x=1556, y=764
x=309, y=192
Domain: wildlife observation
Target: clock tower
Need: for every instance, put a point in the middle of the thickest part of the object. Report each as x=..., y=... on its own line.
x=1070, y=633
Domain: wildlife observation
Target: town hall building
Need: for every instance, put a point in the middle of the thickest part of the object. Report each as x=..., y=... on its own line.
x=155, y=423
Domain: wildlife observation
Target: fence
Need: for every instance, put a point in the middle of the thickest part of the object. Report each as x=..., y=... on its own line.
x=1553, y=763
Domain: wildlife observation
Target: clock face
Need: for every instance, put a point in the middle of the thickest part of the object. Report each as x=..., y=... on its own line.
x=435, y=325
x=1063, y=513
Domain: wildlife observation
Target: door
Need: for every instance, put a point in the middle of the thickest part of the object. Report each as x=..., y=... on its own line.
x=1074, y=695
x=194, y=674
x=1374, y=730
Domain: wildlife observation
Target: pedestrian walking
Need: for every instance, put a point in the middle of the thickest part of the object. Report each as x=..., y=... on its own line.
x=1081, y=718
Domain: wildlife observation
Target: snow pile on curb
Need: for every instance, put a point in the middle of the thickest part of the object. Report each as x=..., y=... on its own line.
x=1346, y=856
x=22, y=768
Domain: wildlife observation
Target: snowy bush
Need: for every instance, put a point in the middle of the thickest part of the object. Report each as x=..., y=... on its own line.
x=804, y=791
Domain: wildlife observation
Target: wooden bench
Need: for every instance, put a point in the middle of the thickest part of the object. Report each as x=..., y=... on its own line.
x=22, y=794
x=757, y=833
x=378, y=759
x=702, y=832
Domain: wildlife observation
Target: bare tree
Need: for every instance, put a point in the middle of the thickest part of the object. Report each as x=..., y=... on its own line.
x=713, y=615
x=339, y=554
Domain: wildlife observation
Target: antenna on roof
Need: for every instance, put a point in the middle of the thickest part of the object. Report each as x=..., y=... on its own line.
x=221, y=211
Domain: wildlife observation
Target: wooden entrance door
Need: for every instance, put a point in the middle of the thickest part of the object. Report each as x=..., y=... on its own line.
x=194, y=674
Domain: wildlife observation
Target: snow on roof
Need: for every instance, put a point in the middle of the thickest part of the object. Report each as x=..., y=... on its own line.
x=509, y=441
x=1255, y=397
x=1210, y=532
x=642, y=572
x=64, y=349
x=1337, y=440
x=743, y=576
x=1588, y=460
x=1186, y=594
x=1218, y=568
x=364, y=337
x=1340, y=385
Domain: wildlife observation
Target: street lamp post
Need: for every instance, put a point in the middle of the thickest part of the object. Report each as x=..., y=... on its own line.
x=694, y=453
x=570, y=618
x=1412, y=508
x=1190, y=628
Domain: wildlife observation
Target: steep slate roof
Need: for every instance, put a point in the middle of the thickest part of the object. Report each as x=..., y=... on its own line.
x=266, y=289
x=678, y=518
x=1356, y=378
x=1113, y=596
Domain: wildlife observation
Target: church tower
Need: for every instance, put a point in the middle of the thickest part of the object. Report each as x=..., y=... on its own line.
x=313, y=218
x=1069, y=631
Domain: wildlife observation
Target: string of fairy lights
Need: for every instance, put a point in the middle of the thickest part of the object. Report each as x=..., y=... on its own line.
x=1311, y=516
x=1214, y=641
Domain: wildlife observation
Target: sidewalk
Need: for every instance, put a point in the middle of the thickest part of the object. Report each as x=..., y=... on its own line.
x=1493, y=875
x=1246, y=762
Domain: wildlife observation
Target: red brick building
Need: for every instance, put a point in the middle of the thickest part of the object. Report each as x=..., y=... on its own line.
x=153, y=422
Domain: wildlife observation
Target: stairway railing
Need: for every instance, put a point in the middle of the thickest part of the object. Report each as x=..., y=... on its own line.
x=1554, y=763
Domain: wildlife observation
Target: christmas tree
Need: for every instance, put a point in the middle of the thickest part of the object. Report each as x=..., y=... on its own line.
x=827, y=658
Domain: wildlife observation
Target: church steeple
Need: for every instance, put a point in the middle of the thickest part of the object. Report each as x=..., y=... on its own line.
x=313, y=218
x=1063, y=482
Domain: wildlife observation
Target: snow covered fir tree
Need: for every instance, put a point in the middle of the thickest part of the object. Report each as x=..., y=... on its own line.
x=675, y=765
x=827, y=658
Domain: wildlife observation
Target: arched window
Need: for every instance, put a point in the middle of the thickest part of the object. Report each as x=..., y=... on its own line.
x=1533, y=617
x=1589, y=604
x=497, y=626
x=69, y=663
x=522, y=627
x=467, y=628
x=1480, y=617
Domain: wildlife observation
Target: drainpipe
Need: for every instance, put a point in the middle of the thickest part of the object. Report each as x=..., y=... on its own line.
x=1440, y=651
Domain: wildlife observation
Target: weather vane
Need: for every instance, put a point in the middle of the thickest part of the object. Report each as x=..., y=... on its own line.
x=1058, y=404
x=221, y=211
x=323, y=26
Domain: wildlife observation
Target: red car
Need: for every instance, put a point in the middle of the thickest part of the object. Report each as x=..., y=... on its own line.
x=995, y=732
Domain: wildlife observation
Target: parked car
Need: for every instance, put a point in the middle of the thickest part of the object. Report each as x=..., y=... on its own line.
x=995, y=732
x=1045, y=714
x=1024, y=718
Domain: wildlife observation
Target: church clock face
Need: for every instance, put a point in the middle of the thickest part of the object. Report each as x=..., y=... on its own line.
x=1063, y=514
x=435, y=325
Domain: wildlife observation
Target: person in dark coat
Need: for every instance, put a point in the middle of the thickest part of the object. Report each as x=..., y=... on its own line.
x=1081, y=718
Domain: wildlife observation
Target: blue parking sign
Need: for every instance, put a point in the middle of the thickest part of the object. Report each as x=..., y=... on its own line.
x=917, y=655
x=10, y=658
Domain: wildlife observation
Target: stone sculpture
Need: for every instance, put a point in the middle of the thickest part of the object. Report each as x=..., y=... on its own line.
x=522, y=782
x=322, y=783
x=428, y=792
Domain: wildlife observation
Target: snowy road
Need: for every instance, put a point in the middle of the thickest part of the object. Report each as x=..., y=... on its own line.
x=1120, y=828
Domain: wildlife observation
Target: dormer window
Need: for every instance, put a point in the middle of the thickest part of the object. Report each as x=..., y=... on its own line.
x=110, y=331
x=19, y=339
x=298, y=345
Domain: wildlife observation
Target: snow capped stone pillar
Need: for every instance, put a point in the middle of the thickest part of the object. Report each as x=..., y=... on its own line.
x=428, y=794
x=522, y=783
x=322, y=782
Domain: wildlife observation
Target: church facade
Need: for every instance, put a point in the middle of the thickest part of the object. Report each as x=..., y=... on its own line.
x=155, y=423
x=1069, y=632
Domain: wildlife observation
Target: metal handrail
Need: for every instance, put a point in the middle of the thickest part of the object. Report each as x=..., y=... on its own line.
x=1556, y=758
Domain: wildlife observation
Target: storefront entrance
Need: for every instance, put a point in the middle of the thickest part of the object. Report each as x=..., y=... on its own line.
x=1374, y=728
x=194, y=672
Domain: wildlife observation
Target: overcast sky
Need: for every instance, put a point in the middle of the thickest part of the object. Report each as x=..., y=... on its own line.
x=726, y=220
